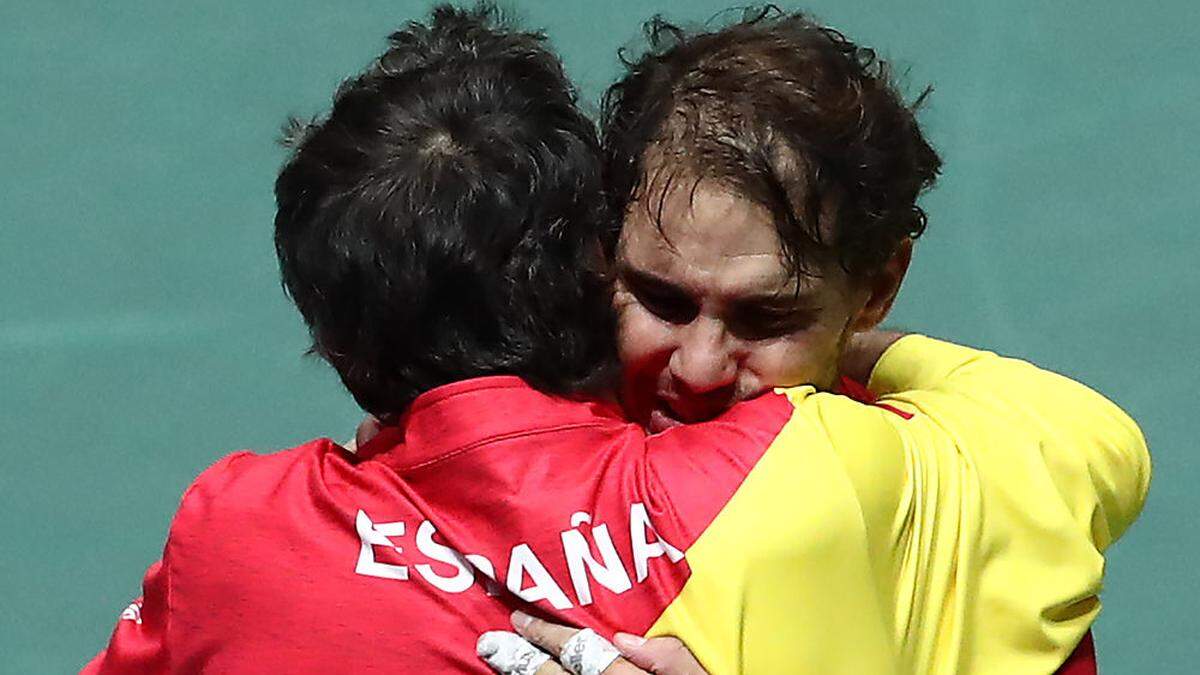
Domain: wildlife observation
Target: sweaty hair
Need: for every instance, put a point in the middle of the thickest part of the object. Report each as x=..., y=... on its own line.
x=443, y=221
x=785, y=112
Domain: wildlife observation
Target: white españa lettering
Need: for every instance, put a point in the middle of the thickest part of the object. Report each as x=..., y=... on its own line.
x=643, y=550
x=525, y=574
x=610, y=574
x=378, y=534
x=524, y=561
x=461, y=580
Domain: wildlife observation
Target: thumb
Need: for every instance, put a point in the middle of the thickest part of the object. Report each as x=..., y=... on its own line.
x=662, y=655
x=368, y=429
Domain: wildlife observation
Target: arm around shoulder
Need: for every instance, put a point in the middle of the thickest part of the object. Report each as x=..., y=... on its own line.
x=1088, y=438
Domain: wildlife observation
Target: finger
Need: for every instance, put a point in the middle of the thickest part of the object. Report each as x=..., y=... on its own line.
x=368, y=429
x=510, y=654
x=662, y=655
x=586, y=653
x=581, y=652
x=549, y=636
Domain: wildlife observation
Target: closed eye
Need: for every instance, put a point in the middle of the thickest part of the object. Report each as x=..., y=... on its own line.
x=765, y=324
x=660, y=298
x=670, y=307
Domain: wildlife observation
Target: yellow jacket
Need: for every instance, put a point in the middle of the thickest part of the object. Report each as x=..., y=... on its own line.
x=962, y=531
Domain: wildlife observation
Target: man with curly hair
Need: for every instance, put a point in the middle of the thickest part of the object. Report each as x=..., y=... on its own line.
x=768, y=173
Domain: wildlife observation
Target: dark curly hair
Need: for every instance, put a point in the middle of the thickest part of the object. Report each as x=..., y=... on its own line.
x=787, y=112
x=443, y=221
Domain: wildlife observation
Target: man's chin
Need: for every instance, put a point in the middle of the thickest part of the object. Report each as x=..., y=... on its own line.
x=661, y=421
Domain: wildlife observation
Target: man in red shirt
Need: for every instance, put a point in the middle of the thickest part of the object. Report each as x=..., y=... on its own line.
x=438, y=233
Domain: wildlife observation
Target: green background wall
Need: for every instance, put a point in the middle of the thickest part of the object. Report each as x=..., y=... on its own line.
x=143, y=333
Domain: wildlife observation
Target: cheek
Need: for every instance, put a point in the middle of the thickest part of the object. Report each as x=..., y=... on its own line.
x=641, y=338
x=643, y=345
x=806, y=358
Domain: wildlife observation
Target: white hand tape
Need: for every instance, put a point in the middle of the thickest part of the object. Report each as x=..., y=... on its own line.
x=586, y=653
x=509, y=654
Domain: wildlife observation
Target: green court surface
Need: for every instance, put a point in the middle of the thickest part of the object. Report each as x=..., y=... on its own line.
x=143, y=332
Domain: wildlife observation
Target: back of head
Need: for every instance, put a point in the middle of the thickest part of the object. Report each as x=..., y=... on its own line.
x=786, y=112
x=442, y=222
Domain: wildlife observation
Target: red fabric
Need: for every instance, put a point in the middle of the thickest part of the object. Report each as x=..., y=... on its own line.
x=1082, y=660
x=293, y=562
x=856, y=390
x=859, y=392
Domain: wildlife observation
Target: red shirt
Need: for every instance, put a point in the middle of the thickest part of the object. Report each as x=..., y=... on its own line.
x=319, y=560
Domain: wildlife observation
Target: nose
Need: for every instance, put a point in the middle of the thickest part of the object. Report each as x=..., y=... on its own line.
x=704, y=360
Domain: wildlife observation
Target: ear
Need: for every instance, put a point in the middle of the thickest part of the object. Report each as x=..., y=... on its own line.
x=882, y=288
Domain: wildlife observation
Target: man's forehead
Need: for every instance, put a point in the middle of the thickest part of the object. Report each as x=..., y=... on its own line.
x=706, y=239
x=699, y=218
x=681, y=198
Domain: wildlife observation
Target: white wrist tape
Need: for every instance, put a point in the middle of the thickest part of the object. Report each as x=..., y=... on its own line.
x=509, y=653
x=586, y=653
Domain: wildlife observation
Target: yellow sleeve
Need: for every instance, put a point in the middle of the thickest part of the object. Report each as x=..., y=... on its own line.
x=1017, y=479
x=1093, y=451
x=793, y=574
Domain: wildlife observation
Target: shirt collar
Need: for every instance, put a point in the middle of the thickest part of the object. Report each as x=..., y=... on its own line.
x=462, y=415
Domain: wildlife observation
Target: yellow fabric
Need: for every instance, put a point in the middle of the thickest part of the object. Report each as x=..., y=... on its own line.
x=967, y=539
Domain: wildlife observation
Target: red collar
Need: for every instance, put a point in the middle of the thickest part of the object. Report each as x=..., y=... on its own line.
x=459, y=416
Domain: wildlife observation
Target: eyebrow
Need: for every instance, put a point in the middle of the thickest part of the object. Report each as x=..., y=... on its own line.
x=786, y=302
x=646, y=277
